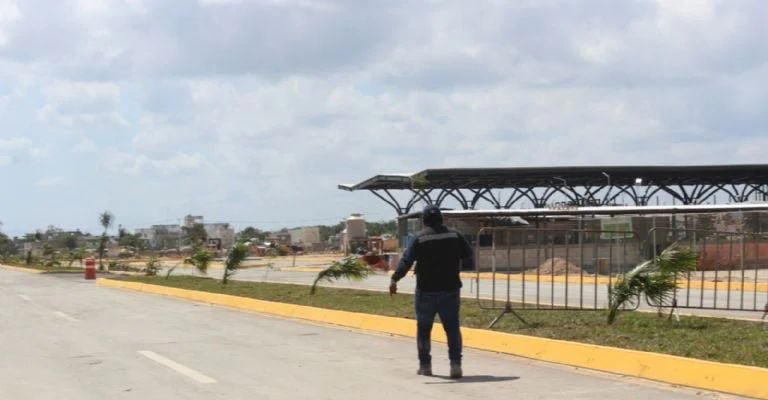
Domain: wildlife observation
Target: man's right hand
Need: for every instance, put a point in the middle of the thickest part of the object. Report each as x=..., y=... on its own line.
x=392, y=288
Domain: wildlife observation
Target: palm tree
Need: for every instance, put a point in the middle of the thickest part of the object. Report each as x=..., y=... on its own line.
x=77, y=254
x=200, y=259
x=235, y=257
x=105, y=219
x=347, y=267
x=50, y=253
x=655, y=278
x=153, y=266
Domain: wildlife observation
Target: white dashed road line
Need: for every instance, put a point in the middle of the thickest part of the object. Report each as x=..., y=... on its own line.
x=182, y=369
x=56, y=313
x=65, y=316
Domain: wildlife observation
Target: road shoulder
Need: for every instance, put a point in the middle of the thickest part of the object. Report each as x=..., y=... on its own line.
x=722, y=377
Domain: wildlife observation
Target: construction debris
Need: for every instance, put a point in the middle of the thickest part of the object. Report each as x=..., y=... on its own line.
x=558, y=265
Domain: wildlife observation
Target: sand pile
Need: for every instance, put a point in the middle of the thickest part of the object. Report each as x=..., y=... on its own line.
x=559, y=265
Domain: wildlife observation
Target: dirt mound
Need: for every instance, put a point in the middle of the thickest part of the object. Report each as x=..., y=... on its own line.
x=558, y=265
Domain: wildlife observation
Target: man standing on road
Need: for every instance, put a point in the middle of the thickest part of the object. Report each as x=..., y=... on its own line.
x=439, y=253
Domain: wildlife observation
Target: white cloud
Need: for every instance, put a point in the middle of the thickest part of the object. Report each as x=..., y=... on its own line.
x=219, y=2
x=71, y=103
x=85, y=145
x=16, y=143
x=9, y=15
x=299, y=95
x=50, y=182
x=44, y=152
x=13, y=149
x=139, y=164
x=159, y=134
x=674, y=11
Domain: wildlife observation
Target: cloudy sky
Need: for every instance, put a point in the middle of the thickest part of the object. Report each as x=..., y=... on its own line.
x=253, y=111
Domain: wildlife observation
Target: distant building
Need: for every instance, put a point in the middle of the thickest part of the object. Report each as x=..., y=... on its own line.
x=33, y=248
x=147, y=234
x=279, y=238
x=355, y=234
x=172, y=236
x=220, y=232
x=191, y=220
x=162, y=236
x=306, y=236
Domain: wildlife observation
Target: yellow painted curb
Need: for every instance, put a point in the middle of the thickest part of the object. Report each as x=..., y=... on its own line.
x=21, y=269
x=730, y=378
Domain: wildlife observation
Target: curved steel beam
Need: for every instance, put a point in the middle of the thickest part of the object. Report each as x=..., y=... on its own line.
x=452, y=193
x=672, y=193
x=418, y=195
x=393, y=202
x=481, y=194
x=520, y=194
x=758, y=189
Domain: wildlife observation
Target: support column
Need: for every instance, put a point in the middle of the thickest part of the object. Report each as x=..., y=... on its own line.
x=402, y=232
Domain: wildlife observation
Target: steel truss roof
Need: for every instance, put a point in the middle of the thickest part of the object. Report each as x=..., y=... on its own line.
x=579, y=186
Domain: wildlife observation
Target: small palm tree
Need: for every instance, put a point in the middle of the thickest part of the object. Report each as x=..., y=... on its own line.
x=77, y=255
x=267, y=268
x=655, y=278
x=153, y=266
x=51, y=257
x=200, y=259
x=105, y=219
x=237, y=254
x=347, y=267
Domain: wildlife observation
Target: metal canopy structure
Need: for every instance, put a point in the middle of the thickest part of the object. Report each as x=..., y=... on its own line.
x=590, y=186
x=601, y=211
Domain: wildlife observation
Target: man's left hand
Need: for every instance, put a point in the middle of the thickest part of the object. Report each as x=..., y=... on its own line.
x=392, y=288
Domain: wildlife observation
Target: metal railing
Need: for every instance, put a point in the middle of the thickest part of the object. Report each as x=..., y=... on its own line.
x=554, y=269
x=574, y=269
x=731, y=272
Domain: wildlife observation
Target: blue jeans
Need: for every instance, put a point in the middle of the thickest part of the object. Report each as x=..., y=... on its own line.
x=445, y=304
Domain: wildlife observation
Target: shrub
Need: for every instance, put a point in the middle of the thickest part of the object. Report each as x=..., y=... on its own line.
x=118, y=266
x=200, y=259
x=152, y=267
x=51, y=262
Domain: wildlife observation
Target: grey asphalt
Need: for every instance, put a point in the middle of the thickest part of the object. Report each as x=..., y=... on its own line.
x=66, y=338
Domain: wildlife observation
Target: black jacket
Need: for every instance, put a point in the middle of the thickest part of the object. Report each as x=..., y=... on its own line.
x=438, y=253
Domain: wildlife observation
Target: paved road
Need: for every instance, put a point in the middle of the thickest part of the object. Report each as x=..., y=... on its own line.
x=65, y=338
x=547, y=291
